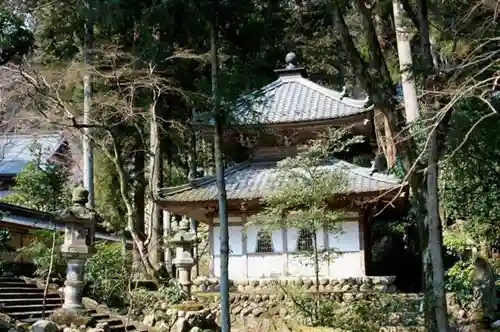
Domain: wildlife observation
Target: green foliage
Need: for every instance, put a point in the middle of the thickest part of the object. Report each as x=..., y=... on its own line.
x=4, y=239
x=143, y=300
x=357, y=315
x=308, y=185
x=459, y=279
x=470, y=177
x=39, y=251
x=15, y=38
x=459, y=245
x=108, y=200
x=41, y=187
x=4, y=243
x=457, y=241
x=106, y=274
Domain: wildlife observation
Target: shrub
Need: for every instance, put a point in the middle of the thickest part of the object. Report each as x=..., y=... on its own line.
x=39, y=251
x=356, y=315
x=459, y=280
x=105, y=271
x=459, y=245
x=106, y=274
x=145, y=300
x=4, y=244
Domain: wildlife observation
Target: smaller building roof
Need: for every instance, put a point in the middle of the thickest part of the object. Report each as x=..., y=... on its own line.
x=16, y=150
x=21, y=216
x=254, y=180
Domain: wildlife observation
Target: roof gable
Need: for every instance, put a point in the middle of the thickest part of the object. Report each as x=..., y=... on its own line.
x=16, y=150
x=296, y=99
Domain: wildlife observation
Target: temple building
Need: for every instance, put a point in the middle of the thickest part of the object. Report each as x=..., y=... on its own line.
x=282, y=115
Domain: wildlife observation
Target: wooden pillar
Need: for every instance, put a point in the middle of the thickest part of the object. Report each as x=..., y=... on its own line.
x=210, y=217
x=167, y=231
x=284, y=239
x=194, y=229
x=243, y=208
x=365, y=240
x=326, y=245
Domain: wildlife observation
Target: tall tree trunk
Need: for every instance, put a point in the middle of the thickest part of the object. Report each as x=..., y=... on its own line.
x=88, y=155
x=405, y=62
x=221, y=183
x=412, y=113
x=435, y=234
x=123, y=179
x=381, y=91
x=191, y=176
x=434, y=223
x=155, y=222
x=316, y=275
x=139, y=194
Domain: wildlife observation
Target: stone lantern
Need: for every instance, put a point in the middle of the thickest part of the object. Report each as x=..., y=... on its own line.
x=183, y=242
x=79, y=230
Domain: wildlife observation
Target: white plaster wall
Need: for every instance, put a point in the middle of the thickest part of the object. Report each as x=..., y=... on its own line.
x=347, y=239
x=254, y=265
x=346, y=265
x=237, y=267
x=265, y=266
x=300, y=266
x=235, y=240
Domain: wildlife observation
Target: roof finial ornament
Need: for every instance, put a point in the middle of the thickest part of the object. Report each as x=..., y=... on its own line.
x=291, y=59
x=343, y=93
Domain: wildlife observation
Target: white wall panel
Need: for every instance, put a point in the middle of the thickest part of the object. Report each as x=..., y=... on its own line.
x=265, y=266
x=347, y=240
x=235, y=240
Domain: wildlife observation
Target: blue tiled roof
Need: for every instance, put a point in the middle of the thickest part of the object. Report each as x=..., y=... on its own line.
x=17, y=150
x=253, y=180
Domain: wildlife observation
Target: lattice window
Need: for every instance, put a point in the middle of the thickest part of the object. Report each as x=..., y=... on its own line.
x=264, y=242
x=305, y=240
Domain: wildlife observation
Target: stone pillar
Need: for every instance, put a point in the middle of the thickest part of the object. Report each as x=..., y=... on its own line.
x=183, y=241
x=79, y=222
x=74, y=284
x=184, y=264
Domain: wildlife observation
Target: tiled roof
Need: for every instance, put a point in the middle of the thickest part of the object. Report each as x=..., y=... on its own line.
x=254, y=180
x=16, y=150
x=294, y=98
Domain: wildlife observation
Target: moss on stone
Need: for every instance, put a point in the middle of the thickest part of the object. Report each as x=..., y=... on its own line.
x=188, y=306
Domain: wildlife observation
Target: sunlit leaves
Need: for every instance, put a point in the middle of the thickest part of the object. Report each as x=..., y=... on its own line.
x=307, y=184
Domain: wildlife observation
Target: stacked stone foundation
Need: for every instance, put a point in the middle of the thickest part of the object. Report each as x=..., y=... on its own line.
x=326, y=285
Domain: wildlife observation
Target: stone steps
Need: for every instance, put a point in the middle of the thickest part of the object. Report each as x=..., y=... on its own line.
x=35, y=313
x=19, y=307
x=24, y=302
x=114, y=324
x=30, y=301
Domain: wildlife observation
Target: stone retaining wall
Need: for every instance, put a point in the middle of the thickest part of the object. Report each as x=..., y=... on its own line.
x=277, y=304
x=326, y=285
